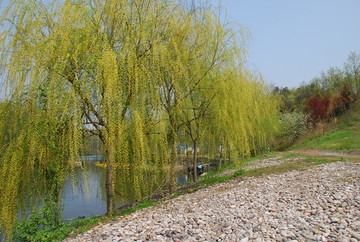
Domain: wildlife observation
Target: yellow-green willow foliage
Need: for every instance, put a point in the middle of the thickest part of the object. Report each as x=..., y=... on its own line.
x=189, y=70
x=245, y=117
x=132, y=73
x=74, y=69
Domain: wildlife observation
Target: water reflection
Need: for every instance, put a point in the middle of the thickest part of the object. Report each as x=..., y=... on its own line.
x=84, y=194
x=182, y=177
x=84, y=191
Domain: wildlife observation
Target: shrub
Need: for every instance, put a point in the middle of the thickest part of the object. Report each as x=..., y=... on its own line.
x=47, y=226
x=318, y=107
x=239, y=172
x=293, y=125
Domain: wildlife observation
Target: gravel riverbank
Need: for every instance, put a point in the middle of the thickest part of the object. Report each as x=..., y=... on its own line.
x=318, y=204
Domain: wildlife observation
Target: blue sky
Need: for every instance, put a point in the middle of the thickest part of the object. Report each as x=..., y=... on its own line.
x=293, y=41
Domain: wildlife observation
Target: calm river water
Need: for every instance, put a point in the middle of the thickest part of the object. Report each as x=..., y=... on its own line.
x=84, y=194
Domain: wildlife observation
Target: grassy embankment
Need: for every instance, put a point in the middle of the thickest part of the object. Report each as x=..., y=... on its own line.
x=343, y=137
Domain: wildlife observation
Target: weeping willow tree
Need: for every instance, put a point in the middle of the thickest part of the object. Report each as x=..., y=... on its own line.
x=245, y=118
x=234, y=112
x=133, y=74
x=74, y=69
x=223, y=105
x=198, y=52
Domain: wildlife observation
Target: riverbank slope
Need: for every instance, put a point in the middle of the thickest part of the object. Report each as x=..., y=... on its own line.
x=319, y=202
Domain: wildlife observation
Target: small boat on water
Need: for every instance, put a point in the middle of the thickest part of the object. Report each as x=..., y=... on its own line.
x=200, y=169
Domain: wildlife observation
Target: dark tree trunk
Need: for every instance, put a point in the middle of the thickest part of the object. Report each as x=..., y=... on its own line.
x=195, y=161
x=110, y=205
x=221, y=158
x=229, y=151
x=172, y=166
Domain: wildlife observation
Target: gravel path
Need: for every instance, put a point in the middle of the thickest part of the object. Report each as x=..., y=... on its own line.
x=316, y=204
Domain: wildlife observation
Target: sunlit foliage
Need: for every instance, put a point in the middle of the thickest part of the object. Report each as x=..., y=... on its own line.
x=131, y=73
x=327, y=96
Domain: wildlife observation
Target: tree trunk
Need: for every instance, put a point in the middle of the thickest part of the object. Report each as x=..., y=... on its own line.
x=110, y=205
x=229, y=154
x=221, y=158
x=172, y=166
x=195, y=161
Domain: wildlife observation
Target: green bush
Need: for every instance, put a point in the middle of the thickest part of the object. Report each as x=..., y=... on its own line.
x=239, y=172
x=293, y=125
x=40, y=227
x=43, y=226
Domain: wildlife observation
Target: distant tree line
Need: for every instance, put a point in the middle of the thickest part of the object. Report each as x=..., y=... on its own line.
x=322, y=99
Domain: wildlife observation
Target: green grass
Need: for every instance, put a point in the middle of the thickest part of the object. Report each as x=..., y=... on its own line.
x=262, y=156
x=201, y=184
x=212, y=180
x=82, y=225
x=288, y=156
x=346, y=137
x=225, y=167
x=139, y=206
x=237, y=166
x=35, y=228
x=318, y=160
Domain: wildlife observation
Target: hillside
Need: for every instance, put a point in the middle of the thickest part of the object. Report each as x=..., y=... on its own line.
x=310, y=192
x=343, y=136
